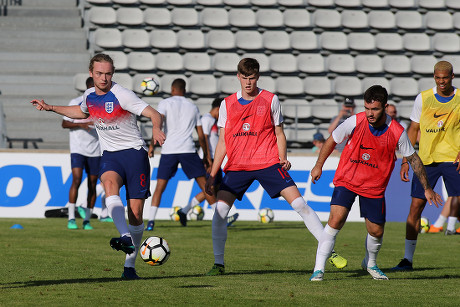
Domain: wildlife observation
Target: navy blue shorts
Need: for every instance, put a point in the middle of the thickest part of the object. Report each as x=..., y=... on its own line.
x=191, y=164
x=449, y=174
x=133, y=166
x=273, y=179
x=89, y=164
x=374, y=209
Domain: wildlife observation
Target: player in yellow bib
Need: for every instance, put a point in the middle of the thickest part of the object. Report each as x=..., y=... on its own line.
x=436, y=114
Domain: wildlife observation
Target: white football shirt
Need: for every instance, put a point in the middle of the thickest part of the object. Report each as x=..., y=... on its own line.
x=210, y=129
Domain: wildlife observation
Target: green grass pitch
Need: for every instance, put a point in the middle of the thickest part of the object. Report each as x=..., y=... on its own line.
x=266, y=265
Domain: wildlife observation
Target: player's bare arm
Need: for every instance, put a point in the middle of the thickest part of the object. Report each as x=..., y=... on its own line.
x=282, y=147
x=219, y=156
x=158, y=136
x=457, y=160
x=70, y=125
x=412, y=133
x=204, y=146
x=419, y=170
x=69, y=111
x=325, y=152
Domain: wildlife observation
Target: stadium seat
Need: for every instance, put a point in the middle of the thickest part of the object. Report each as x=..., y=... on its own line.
x=289, y=86
x=242, y=18
x=283, y=62
x=267, y=83
x=439, y=21
x=203, y=84
x=318, y=86
x=416, y=42
x=137, y=80
x=226, y=62
x=214, y=17
x=361, y=41
x=169, y=61
x=354, y=19
x=269, y=18
x=335, y=41
x=264, y=2
x=152, y=2
x=446, y=42
x=403, y=4
x=130, y=16
x=405, y=107
x=120, y=60
x=348, y=3
x=425, y=83
x=98, y=2
x=263, y=60
x=191, y=39
x=248, y=40
x=163, y=39
x=102, y=16
x=296, y=108
x=157, y=16
x=276, y=40
x=167, y=79
x=297, y=18
x=404, y=87
x=409, y=20
x=453, y=4
x=369, y=81
x=341, y=63
x=229, y=84
x=396, y=64
x=324, y=108
x=124, y=80
x=376, y=4
x=135, y=38
x=456, y=20
x=184, y=17
x=423, y=64
x=312, y=63
x=237, y=2
x=197, y=61
x=210, y=2
x=321, y=3
x=389, y=42
x=381, y=20
x=348, y=86
x=368, y=64
x=126, y=2
x=141, y=61
x=304, y=40
x=153, y=101
x=108, y=38
x=431, y=4
x=291, y=3
x=181, y=2
x=454, y=60
x=327, y=19
x=79, y=81
x=221, y=39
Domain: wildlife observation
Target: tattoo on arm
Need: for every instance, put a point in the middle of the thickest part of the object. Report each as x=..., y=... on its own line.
x=419, y=170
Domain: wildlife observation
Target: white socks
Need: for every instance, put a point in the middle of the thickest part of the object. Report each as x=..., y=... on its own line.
x=451, y=220
x=117, y=213
x=71, y=208
x=190, y=205
x=372, y=245
x=310, y=219
x=136, y=236
x=153, y=213
x=219, y=231
x=409, y=249
x=440, y=221
x=325, y=246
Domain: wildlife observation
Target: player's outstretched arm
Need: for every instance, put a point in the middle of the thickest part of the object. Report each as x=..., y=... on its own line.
x=412, y=134
x=325, y=152
x=158, y=136
x=282, y=147
x=457, y=160
x=204, y=146
x=419, y=170
x=219, y=156
x=69, y=111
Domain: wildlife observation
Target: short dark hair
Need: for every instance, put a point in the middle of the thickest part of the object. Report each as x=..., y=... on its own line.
x=248, y=66
x=179, y=84
x=376, y=93
x=216, y=103
x=89, y=82
x=100, y=57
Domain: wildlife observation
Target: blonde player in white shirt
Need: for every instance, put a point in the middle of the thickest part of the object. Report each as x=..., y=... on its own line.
x=124, y=161
x=181, y=117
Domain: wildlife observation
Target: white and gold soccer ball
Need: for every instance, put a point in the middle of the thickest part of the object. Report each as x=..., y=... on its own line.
x=155, y=251
x=266, y=215
x=173, y=214
x=197, y=213
x=150, y=86
x=424, y=225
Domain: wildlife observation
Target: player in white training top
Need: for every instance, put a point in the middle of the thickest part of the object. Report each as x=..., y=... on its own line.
x=124, y=161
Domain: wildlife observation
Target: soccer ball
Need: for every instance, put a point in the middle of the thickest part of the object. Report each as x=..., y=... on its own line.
x=150, y=86
x=173, y=214
x=424, y=225
x=197, y=213
x=266, y=215
x=155, y=251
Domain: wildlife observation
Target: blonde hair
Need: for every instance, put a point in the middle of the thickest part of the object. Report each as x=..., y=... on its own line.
x=444, y=66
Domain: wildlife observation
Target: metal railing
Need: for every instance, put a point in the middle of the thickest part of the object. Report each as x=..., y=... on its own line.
x=5, y=3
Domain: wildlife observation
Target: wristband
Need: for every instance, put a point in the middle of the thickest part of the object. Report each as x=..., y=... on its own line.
x=404, y=163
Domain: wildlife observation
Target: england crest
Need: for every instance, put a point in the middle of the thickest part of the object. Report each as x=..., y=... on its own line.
x=109, y=107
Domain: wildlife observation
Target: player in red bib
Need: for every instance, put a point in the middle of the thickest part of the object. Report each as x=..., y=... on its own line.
x=364, y=170
x=252, y=138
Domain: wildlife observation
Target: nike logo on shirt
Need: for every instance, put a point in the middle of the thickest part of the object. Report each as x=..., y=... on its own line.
x=362, y=147
x=438, y=115
x=246, y=117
